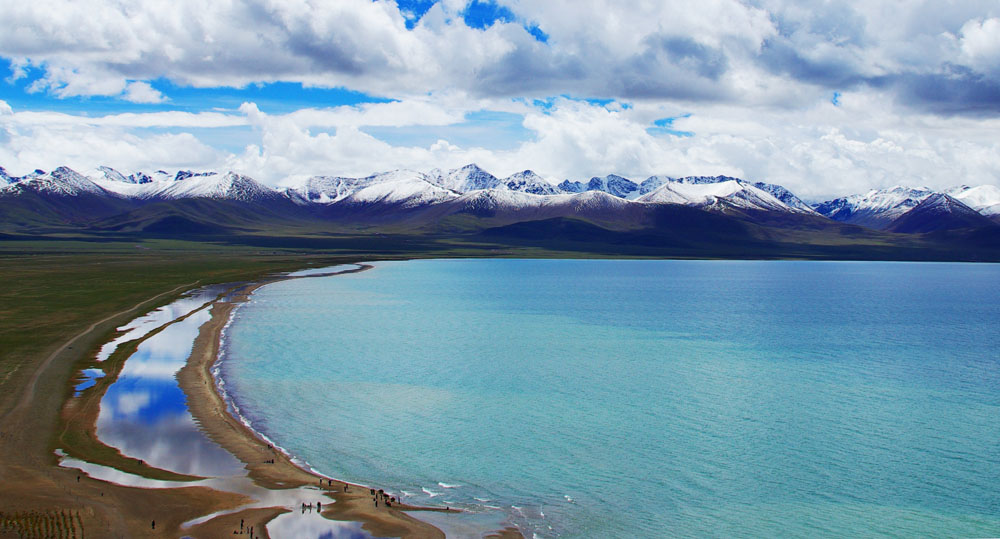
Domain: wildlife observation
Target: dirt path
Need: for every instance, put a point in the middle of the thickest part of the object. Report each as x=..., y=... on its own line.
x=29, y=390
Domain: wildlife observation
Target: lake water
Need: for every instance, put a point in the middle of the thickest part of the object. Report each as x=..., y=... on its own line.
x=643, y=398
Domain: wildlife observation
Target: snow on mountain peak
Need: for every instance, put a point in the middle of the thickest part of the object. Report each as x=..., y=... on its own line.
x=652, y=183
x=717, y=192
x=597, y=200
x=612, y=184
x=402, y=188
x=876, y=208
x=327, y=189
x=465, y=179
x=62, y=181
x=984, y=198
x=527, y=181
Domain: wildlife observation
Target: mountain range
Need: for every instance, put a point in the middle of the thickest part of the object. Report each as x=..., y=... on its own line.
x=470, y=200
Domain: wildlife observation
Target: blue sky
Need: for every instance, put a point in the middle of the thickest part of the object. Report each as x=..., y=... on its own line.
x=822, y=97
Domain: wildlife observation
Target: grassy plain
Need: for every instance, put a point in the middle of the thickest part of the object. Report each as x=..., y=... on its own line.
x=60, y=299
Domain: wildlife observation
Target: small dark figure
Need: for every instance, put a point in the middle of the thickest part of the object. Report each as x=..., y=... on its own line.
x=241, y=524
x=372, y=491
x=319, y=507
x=78, y=479
x=154, y=524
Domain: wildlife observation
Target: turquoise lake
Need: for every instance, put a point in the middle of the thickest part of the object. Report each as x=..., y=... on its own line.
x=581, y=398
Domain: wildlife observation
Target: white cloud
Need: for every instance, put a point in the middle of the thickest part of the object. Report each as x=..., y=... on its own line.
x=48, y=140
x=142, y=92
x=129, y=119
x=818, y=152
x=773, y=52
x=980, y=45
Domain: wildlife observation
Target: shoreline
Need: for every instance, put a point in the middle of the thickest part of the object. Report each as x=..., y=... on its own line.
x=267, y=465
x=273, y=481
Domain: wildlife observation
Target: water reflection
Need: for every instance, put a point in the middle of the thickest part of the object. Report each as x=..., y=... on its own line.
x=295, y=524
x=142, y=326
x=144, y=413
x=311, y=525
x=89, y=378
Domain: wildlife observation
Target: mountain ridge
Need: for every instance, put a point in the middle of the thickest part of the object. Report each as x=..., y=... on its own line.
x=417, y=199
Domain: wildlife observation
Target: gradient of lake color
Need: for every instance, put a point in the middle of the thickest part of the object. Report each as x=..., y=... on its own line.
x=643, y=398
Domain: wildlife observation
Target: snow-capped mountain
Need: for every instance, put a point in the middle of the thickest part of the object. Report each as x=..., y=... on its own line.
x=527, y=181
x=612, y=184
x=701, y=191
x=504, y=206
x=229, y=186
x=139, y=177
x=465, y=179
x=185, y=184
x=877, y=208
x=328, y=189
x=63, y=182
x=785, y=196
x=419, y=198
x=652, y=183
x=416, y=187
x=58, y=198
x=938, y=211
x=720, y=192
x=985, y=198
x=399, y=188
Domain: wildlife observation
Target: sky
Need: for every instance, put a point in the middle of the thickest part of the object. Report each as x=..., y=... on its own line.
x=826, y=98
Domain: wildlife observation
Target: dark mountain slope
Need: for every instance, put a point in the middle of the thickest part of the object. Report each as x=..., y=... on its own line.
x=939, y=212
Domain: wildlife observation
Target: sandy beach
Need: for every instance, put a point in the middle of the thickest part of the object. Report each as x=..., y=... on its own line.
x=266, y=466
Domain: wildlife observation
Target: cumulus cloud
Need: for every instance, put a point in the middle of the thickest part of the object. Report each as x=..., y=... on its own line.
x=918, y=87
x=83, y=144
x=822, y=151
x=770, y=52
x=980, y=44
x=141, y=92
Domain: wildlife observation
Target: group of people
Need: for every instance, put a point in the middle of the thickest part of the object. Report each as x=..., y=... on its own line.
x=309, y=506
x=242, y=530
x=380, y=494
